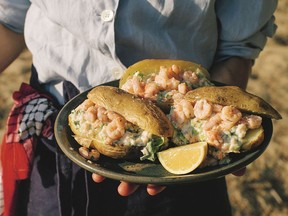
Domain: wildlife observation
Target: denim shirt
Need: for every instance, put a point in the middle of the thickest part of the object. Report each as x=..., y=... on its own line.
x=92, y=42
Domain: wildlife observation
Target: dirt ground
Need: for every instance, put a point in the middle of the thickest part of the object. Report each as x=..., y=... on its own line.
x=263, y=190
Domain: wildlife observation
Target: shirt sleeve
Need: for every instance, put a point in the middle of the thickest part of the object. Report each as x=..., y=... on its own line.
x=13, y=13
x=244, y=27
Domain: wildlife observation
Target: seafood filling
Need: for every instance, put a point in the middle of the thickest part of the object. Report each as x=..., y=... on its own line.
x=113, y=129
x=222, y=127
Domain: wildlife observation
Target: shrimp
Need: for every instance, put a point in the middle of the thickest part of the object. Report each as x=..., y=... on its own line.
x=213, y=122
x=113, y=115
x=172, y=84
x=252, y=121
x=202, y=109
x=174, y=71
x=183, y=111
x=190, y=77
x=138, y=86
x=177, y=97
x=115, y=129
x=227, y=125
x=128, y=86
x=91, y=114
x=102, y=114
x=162, y=77
x=217, y=108
x=178, y=116
x=151, y=89
x=183, y=88
x=187, y=108
x=231, y=114
x=214, y=138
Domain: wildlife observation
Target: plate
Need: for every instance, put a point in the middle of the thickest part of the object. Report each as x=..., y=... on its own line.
x=146, y=172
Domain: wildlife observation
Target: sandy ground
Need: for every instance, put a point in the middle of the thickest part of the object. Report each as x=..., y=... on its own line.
x=263, y=190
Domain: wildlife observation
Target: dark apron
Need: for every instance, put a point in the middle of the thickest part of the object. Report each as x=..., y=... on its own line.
x=60, y=187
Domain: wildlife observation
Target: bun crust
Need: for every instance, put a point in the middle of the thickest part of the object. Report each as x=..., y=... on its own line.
x=234, y=96
x=253, y=139
x=138, y=111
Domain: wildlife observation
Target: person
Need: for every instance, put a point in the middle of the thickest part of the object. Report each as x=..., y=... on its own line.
x=80, y=44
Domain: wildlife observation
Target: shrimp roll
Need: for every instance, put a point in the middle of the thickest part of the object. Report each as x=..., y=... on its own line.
x=120, y=125
x=163, y=80
x=228, y=118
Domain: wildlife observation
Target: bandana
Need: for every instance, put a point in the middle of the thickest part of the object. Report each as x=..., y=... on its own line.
x=28, y=120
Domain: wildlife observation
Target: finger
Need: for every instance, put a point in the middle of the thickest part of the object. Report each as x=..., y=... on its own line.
x=154, y=189
x=97, y=178
x=240, y=172
x=126, y=189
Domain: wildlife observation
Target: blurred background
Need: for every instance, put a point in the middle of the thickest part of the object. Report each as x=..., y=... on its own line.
x=263, y=190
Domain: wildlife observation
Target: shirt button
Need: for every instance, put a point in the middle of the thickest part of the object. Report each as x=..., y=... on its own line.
x=107, y=15
x=117, y=72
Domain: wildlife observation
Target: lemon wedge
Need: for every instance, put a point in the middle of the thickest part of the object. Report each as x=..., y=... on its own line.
x=183, y=159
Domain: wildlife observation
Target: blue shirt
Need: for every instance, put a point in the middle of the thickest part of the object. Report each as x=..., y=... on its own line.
x=92, y=42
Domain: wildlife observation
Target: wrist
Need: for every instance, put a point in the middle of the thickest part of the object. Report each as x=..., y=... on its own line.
x=233, y=71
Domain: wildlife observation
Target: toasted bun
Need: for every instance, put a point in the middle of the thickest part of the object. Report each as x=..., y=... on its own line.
x=234, y=96
x=138, y=111
x=253, y=139
x=149, y=66
x=116, y=152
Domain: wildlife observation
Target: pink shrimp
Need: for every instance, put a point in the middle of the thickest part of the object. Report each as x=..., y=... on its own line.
x=91, y=114
x=151, y=89
x=213, y=122
x=162, y=77
x=202, y=109
x=190, y=77
x=172, y=84
x=214, y=138
x=115, y=129
x=183, y=111
x=183, y=88
x=138, y=86
x=252, y=121
x=102, y=114
x=174, y=71
x=231, y=114
x=128, y=86
x=217, y=108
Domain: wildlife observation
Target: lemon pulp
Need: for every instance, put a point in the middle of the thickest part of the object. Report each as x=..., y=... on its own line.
x=183, y=159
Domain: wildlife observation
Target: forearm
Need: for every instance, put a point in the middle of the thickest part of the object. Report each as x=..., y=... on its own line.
x=234, y=71
x=11, y=45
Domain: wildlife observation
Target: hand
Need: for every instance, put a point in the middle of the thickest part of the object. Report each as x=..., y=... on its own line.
x=240, y=172
x=233, y=71
x=126, y=188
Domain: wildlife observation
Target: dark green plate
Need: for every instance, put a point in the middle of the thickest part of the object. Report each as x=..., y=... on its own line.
x=146, y=172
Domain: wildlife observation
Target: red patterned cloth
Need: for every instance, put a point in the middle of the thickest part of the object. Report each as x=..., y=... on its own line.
x=27, y=121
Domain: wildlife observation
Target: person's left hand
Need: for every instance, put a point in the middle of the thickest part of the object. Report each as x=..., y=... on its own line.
x=233, y=71
x=240, y=172
x=126, y=188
